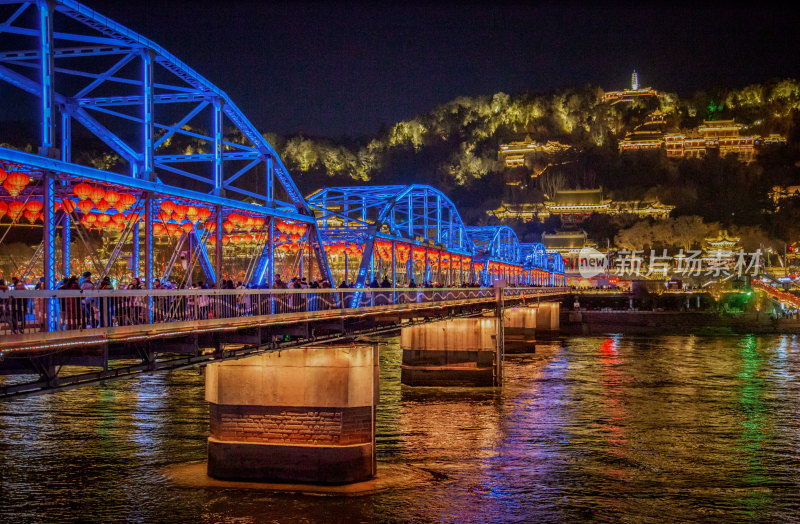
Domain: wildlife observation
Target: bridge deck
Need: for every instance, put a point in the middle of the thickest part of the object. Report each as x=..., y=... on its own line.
x=138, y=315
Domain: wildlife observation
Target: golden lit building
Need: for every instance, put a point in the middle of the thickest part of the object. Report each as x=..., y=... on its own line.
x=648, y=135
x=524, y=152
x=572, y=205
x=721, y=135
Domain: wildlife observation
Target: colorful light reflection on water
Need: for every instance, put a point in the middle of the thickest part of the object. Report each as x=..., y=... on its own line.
x=638, y=428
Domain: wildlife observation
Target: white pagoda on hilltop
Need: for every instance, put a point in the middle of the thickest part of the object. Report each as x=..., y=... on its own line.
x=626, y=95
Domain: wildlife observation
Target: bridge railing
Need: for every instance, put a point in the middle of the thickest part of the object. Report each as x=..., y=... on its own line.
x=33, y=311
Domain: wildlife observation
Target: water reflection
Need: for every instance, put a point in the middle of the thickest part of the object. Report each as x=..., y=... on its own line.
x=752, y=408
x=616, y=428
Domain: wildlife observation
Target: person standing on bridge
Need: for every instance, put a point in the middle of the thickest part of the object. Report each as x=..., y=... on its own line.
x=86, y=284
x=18, y=306
x=104, y=303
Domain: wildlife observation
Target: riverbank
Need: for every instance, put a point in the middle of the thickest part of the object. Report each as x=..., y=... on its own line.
x=672, y=322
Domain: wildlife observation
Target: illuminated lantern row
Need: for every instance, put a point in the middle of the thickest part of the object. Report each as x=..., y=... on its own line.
x=288, y=247
x=289, y=229
x=343, y=249
x=115, y=222
x=91, y=197
x=30, y=210
x=244, y=222
x=180, y=212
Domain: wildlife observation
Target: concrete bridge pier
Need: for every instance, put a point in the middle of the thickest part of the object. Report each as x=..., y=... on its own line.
x=519, y=330
x=457, y=352
x=548, y=316
x=300, y=415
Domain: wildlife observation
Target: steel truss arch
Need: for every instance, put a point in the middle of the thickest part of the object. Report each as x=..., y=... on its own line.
x=534, y=255
x=496, y=242
x=166, y=123
x=415, y=215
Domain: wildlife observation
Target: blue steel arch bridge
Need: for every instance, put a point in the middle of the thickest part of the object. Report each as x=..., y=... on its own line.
x=191, y=191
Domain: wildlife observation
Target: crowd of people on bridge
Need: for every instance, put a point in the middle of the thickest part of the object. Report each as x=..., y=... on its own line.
x=107, y=310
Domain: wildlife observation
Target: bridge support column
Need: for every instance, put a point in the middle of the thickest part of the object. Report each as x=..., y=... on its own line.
x=301, y=415
x=457, y=352
x=547, y=316
x=519, y=330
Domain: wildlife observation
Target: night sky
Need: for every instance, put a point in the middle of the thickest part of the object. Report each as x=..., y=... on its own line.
x=339, y=68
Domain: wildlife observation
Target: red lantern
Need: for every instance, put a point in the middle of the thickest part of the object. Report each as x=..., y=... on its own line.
x=96, y=195
x=31, y=216
x=119, y=218
x=167, y=206
x=33, y=205
x=3, y=208
x=227, y=226
x=171, y=227
x=102, y=205
x=85, y=206
x=12, y=190
x=82, y=191
x=159, y=229
x=112, y=197
x=203, y=213
x=126, y=200
x=211, y=226
x=236, y=239
x=225, y=240
x=133, y=217
x=90, y=219
x=180, y=209
x=18, y=181
x=3, y=175
x=103, y=220
x=164, y=216
x=15, y=209
x=191, y=213
x=188, y=227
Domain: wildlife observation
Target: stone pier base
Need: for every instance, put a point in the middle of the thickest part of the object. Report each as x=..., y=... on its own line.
x=301, y=415
x=519, y=330
x=459, y=352
x=548, y=316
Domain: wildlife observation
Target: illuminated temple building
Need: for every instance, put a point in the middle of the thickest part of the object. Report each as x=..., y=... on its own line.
x=572, y=205
x=524, y=152
x=721, y=135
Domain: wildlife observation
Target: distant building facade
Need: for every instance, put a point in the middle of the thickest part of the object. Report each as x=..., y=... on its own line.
x=573, y=205
x=524, y=152
x=723, y=136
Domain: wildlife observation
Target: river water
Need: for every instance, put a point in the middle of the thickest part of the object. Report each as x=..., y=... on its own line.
x=588, y=428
